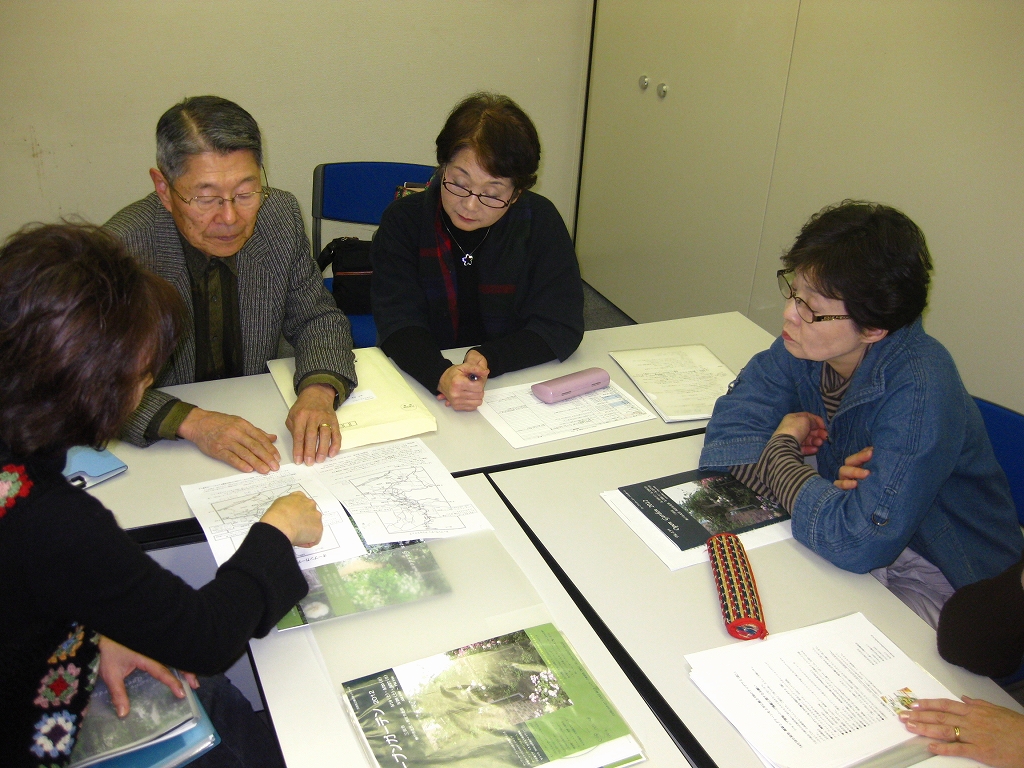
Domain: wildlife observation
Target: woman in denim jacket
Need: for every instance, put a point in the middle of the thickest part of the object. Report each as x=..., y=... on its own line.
x=906, y=484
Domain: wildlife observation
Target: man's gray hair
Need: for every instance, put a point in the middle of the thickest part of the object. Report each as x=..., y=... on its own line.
x=203, y=124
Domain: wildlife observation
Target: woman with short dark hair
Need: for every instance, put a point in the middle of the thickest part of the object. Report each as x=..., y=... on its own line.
x=906, y=484
x=83, y=332
x=477, y=260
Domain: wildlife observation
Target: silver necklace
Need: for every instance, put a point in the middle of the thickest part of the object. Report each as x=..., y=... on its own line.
x=467, y=256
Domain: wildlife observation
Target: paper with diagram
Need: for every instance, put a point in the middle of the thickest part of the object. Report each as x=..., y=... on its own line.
x=227, y=508
x=524, y=420
x=682, y=383
x=383, y=407
x=400, y=491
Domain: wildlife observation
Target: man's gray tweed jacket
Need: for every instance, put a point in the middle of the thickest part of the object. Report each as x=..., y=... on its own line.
x=280, y=291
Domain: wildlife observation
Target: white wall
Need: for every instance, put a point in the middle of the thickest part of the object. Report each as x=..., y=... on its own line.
x=776, y=109
x=83, y=83
x=918, y=104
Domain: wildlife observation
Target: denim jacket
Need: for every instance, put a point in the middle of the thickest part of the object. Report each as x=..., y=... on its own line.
x=935, y=485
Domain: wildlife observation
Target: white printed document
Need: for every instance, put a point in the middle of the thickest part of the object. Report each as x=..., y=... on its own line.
x=523, y=419
x=825, y=696
x=400, y=491
x=383, y=407
x=227, y=508
x=682, y=383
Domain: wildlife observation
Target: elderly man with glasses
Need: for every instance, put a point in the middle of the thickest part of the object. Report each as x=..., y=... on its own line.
x=237, y=252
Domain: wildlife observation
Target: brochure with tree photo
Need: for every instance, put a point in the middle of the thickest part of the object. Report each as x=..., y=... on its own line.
x=522, y=699
x=676, y=515
x=389, y=574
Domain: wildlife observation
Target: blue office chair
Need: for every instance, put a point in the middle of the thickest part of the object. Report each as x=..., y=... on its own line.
x=1006, y=432
x=358, y=193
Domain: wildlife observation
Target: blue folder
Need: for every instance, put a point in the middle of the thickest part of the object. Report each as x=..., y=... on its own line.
x=86, y=466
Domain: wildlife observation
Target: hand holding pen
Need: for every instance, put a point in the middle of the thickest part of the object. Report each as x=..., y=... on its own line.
x=462, y=386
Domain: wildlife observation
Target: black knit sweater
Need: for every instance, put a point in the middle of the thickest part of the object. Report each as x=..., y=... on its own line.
x=981, y=627
x=68, y=571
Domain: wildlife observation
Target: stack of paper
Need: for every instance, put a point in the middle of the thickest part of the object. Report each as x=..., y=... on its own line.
x=825, y=696
x=383, y=407
x=682, y=383
x=521, y=699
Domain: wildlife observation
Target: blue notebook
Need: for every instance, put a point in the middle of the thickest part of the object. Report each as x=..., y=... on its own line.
x=86, y=466
x=160, y=731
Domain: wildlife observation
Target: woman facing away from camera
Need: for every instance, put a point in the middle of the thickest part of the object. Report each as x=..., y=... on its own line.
x=477, y=260
x=981, y=628
x=906, y=484
x=83, y=332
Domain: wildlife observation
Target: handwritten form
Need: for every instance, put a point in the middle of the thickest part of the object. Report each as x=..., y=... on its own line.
x=523, y=419
x=227, y=508
x=682, y=383
x=825, y=696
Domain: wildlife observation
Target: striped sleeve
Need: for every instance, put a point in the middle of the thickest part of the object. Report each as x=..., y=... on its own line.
x=749, y=475
x=780, y=471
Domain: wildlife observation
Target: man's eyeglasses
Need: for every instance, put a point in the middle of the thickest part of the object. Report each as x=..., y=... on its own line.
x=489, y=200
x=805, y=312
x=210, y=203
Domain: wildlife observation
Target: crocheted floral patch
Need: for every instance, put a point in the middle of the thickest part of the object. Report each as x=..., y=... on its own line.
x=55, y=735
x=58, y=687
x=70, y=646
x=14, y=485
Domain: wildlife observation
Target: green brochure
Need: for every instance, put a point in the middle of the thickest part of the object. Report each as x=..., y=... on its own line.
x=522, y=699
x=389, y=574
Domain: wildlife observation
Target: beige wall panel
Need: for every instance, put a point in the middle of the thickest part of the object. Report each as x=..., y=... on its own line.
x=82, y=85
x=919, y=105
x=674, y=189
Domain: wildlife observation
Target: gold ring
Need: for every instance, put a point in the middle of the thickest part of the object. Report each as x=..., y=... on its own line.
x=325, y=424
x=956, y=733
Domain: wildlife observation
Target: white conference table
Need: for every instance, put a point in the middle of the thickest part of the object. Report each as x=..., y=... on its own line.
x=149, y=494
x=659, y=615
x=309, y=718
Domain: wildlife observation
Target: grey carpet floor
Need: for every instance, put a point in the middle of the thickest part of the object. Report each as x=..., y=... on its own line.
x=598, y=312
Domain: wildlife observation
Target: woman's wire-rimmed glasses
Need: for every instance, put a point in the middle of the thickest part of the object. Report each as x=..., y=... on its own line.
x=489, y=200
x=209, y=203
x=805, y=312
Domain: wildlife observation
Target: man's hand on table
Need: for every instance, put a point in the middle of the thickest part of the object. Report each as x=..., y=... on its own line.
x=462, y=386
x=314, y=425
x=231, y=439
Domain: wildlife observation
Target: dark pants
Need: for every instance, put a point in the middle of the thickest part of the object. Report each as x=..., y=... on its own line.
x=245, y=739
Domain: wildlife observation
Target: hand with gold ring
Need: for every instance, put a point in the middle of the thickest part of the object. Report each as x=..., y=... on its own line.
x=314, y=425
x=972, y=728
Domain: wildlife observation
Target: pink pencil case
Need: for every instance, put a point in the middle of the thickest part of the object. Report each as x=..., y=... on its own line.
x=571, y=385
